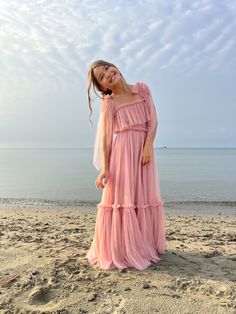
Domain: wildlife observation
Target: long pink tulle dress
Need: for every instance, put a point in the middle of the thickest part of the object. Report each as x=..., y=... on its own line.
x=130, y=228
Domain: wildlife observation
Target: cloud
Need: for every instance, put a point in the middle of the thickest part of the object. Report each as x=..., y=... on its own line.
x=47, y=46
x=55, y=39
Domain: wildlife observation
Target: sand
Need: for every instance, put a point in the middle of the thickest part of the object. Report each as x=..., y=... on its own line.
x=43, y=268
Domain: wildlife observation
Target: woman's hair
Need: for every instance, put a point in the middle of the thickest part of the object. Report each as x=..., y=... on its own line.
x=92, y=80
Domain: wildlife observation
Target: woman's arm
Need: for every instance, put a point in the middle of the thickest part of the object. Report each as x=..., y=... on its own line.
x=152, y=123
x=106, y=147
x=105, y=131
x=103, y=138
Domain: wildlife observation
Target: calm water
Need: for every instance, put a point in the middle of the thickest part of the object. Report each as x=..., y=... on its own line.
x=196, y=179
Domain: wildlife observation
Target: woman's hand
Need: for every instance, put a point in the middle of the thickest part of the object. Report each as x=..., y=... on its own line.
x=146, y=154
x=99, y=181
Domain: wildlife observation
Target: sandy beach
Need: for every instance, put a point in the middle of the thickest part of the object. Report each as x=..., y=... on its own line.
x=43, y=268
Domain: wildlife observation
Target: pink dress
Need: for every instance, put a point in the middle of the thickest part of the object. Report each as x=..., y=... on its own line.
x=130, y=228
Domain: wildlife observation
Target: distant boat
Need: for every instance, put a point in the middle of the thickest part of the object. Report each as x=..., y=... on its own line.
x=162, y=146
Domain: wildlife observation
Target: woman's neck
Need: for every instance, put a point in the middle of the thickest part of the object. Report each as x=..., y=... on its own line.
x=122, y=92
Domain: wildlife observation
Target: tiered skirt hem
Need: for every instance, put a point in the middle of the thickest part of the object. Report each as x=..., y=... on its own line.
x=128, y=235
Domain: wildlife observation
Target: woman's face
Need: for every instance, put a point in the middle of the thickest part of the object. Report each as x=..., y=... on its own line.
x=107, y=76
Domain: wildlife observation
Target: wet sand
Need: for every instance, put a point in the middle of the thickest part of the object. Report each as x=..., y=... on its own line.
x=43, y=268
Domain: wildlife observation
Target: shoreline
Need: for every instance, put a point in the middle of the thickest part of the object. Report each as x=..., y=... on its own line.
x=42, y=255
x=177, y=207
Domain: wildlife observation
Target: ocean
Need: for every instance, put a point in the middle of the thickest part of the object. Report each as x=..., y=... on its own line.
x=199, y=180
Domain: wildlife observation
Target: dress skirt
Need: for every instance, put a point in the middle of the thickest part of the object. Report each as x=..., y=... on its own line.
x=129, y=228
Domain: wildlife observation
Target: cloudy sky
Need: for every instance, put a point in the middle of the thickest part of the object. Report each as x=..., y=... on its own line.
x=184, y=50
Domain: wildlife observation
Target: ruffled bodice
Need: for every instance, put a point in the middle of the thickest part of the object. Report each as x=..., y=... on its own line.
x=137, y=115
x=131, y=116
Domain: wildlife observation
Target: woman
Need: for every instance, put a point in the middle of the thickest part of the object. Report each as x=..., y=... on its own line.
x=129, y=229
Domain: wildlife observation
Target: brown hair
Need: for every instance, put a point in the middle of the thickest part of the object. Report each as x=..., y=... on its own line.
x=92, y=79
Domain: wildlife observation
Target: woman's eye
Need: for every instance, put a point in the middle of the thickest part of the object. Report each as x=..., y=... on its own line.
x=106, y=67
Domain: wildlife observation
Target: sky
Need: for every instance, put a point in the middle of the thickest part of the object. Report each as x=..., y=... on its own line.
x=184, y=50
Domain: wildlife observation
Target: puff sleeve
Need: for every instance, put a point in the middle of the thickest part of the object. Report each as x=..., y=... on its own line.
x=153, y=122
x=103, y=137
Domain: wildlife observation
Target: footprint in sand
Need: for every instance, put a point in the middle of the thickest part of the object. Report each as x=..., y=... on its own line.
x=224, y=294
x=40, y=296
x=40, y=299
x=113, y=304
